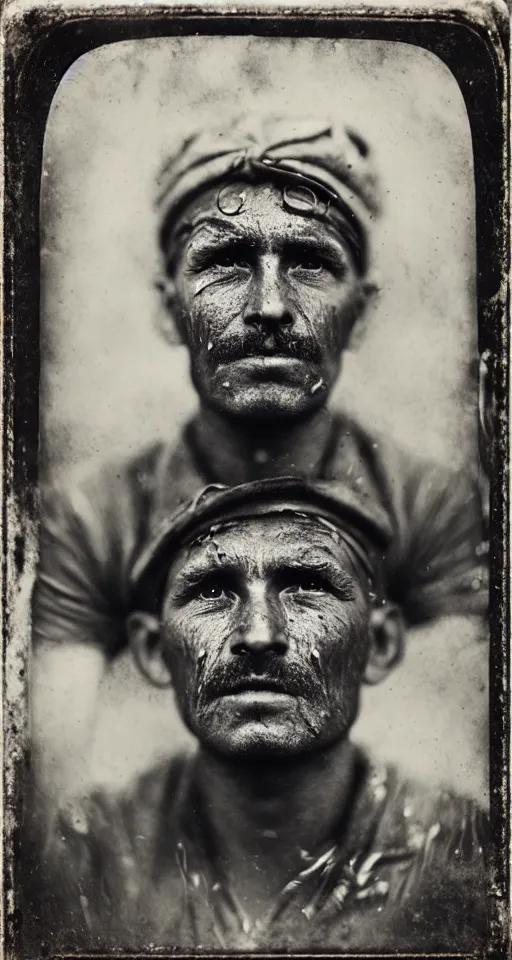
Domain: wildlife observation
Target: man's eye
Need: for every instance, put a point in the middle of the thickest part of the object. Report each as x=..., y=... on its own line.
x=310, y=263
x=230, y=261
x=306, y=584
x=215, y=591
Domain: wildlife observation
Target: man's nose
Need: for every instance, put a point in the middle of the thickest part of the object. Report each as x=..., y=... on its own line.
x=267, y=305
x=262, y=629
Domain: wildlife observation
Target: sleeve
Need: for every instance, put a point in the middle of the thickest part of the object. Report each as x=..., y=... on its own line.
x=438, y=565
x=76, y=595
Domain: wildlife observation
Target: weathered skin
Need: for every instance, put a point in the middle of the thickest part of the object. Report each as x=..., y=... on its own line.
x=265, y=301
x=252, y=603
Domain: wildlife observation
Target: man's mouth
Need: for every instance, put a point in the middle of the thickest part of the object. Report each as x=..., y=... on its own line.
x=270, y=365
x=274, y=347
x=256, y=684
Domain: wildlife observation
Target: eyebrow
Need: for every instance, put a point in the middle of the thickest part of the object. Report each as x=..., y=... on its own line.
x=329, y=246
x=210, y=220
x=318, y=563
x=197, y=571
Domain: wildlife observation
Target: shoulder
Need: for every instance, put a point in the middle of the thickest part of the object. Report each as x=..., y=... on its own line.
x=101, y=510
x=394, y=466
x=437, y=557
x=117, y=490
x=431, y=848
x=430, y=811
x=104, y=478
x=441, y=892
x=133, y=810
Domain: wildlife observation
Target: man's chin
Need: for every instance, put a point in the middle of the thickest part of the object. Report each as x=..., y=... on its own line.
x=260, y=738
x=268, y=400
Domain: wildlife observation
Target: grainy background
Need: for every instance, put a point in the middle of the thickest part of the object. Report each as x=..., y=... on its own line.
x=109, y=384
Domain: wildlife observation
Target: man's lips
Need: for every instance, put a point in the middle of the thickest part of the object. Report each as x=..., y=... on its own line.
x=255, y=684
x=268, y=359
x=270, y=365
x=276, y=347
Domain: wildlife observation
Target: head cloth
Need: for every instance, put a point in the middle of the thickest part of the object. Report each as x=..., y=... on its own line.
x=306, y=152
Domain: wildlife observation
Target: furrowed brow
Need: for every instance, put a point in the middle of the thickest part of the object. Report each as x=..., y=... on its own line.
x=196, y=572
x=322, y=565
x=333, y=248
x=211, y=226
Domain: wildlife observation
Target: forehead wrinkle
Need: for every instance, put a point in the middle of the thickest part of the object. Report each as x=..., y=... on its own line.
x=200, y=562
x=323, y=559
x=283, y=546
x=285, y=226
x=209, y=224
x=321, y=541
x=262, y=546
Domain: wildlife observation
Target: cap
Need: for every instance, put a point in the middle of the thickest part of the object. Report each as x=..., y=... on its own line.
x=306, y=152
x=363, y=525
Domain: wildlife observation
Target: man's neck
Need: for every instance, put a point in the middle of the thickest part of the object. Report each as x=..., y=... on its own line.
x=267, y=816
x=241, y=451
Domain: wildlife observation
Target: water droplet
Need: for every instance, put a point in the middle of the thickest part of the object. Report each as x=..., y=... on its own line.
x=209, y=345
x=226, y=384
x=315, y=654
x=308, y=911
x=317, y=386
x=201, y=655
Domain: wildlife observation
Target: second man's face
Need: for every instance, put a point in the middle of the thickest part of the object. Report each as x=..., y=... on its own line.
x=265, y=631
x=265, y=301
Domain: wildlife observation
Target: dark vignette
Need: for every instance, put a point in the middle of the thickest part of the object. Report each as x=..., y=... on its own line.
x=40, y=45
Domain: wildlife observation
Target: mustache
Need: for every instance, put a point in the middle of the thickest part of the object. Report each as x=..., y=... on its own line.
x=257, y=342
x=267, y=671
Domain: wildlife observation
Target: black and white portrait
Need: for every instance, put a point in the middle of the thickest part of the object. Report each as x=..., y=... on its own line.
x=259, y=604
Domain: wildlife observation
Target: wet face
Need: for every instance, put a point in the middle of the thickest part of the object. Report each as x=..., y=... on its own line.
x=265, y=300
x=265, y=630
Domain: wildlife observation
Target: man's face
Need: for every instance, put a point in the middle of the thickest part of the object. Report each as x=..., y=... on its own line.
x=265, y=630
x=265, y=300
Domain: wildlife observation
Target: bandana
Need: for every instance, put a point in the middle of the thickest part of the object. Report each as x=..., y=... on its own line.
x=322, y=172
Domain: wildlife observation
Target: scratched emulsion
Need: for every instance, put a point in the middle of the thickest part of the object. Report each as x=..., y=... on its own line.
x=110, y=382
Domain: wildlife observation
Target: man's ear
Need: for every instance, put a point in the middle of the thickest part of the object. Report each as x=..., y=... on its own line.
x=360, y=311
x=169, y=315
x=146, y=646
x=386, y=642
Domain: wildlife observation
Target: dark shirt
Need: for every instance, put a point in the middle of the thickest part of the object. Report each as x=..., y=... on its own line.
x=92, y=530
x=404, y=870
